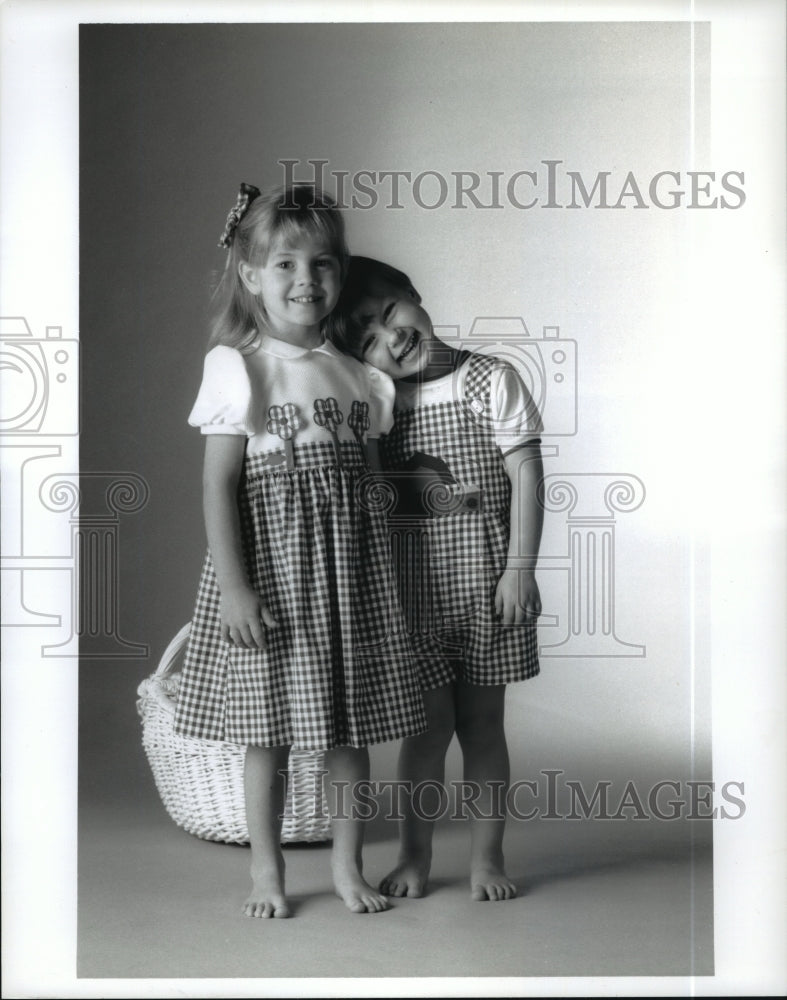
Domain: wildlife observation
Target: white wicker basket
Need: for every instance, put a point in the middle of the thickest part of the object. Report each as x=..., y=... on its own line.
x=201, y=781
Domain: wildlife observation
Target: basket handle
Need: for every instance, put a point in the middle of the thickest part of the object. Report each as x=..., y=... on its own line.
x=172, y=652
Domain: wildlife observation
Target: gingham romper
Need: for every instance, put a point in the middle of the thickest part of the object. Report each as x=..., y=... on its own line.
x=338, y=670
x=450, y=521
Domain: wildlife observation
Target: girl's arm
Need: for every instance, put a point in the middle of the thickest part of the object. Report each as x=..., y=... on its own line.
x=241, y=608
x=517, y=596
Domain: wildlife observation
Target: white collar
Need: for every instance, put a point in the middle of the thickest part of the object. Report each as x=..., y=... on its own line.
x=281, y=349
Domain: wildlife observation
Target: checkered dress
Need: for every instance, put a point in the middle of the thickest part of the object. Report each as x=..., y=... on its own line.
x=450, y=548
x=339, y=669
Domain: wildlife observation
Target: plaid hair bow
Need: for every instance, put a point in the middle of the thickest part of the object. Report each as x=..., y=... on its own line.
x=246, y=195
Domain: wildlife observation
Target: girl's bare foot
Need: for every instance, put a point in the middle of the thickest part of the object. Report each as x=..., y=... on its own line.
x=490, y=882
x=409, y=878
x=266, y=898
x=358, y=895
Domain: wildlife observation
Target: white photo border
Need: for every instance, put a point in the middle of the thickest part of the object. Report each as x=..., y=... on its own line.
x=39, y=94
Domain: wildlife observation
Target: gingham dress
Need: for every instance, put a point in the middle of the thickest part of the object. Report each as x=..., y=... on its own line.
x=338, y=670
x=450, y=541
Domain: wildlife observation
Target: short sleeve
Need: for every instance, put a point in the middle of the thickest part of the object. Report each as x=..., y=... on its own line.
x=224, y=399
x=517, y=420
x=381, y=401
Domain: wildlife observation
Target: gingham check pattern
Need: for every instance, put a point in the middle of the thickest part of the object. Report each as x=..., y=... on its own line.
x=339, y=669
x=448, y=567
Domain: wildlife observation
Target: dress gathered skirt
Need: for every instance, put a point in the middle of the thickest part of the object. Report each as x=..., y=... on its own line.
x=338, y=669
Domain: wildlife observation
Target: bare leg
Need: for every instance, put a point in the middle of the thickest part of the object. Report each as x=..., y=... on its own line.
x=346, y=766
x=265, y=789
x=421, y=758
x=479, y=727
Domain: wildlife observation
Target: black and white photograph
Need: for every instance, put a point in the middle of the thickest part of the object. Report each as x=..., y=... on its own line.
x=393, y=456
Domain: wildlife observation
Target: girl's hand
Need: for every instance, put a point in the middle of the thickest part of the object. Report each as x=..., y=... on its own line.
x=243, y=616
x=517, y=598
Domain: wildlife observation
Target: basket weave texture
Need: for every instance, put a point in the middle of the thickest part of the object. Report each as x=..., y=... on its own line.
x=201, y=781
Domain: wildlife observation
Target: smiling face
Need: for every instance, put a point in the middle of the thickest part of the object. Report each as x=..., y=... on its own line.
x=299, y=284
x=391, y=329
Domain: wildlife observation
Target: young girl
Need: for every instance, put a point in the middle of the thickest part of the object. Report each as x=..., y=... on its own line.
x=295, y=638
x=464, y=458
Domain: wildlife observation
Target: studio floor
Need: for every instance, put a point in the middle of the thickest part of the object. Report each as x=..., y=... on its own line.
x=596, y=898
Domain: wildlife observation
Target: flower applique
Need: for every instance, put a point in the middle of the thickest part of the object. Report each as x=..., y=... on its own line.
x=359, y=421
x=284, y=421
x=328, y=415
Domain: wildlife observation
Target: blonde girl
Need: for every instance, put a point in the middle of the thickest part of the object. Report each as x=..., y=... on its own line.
x=296, y=637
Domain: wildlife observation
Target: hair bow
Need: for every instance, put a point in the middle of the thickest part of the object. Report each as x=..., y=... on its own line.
x=247, y=194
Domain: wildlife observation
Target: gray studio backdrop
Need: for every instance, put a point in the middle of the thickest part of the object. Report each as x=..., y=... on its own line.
x=173, y=117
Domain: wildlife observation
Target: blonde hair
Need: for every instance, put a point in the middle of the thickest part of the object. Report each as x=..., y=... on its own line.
x=287, y=214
